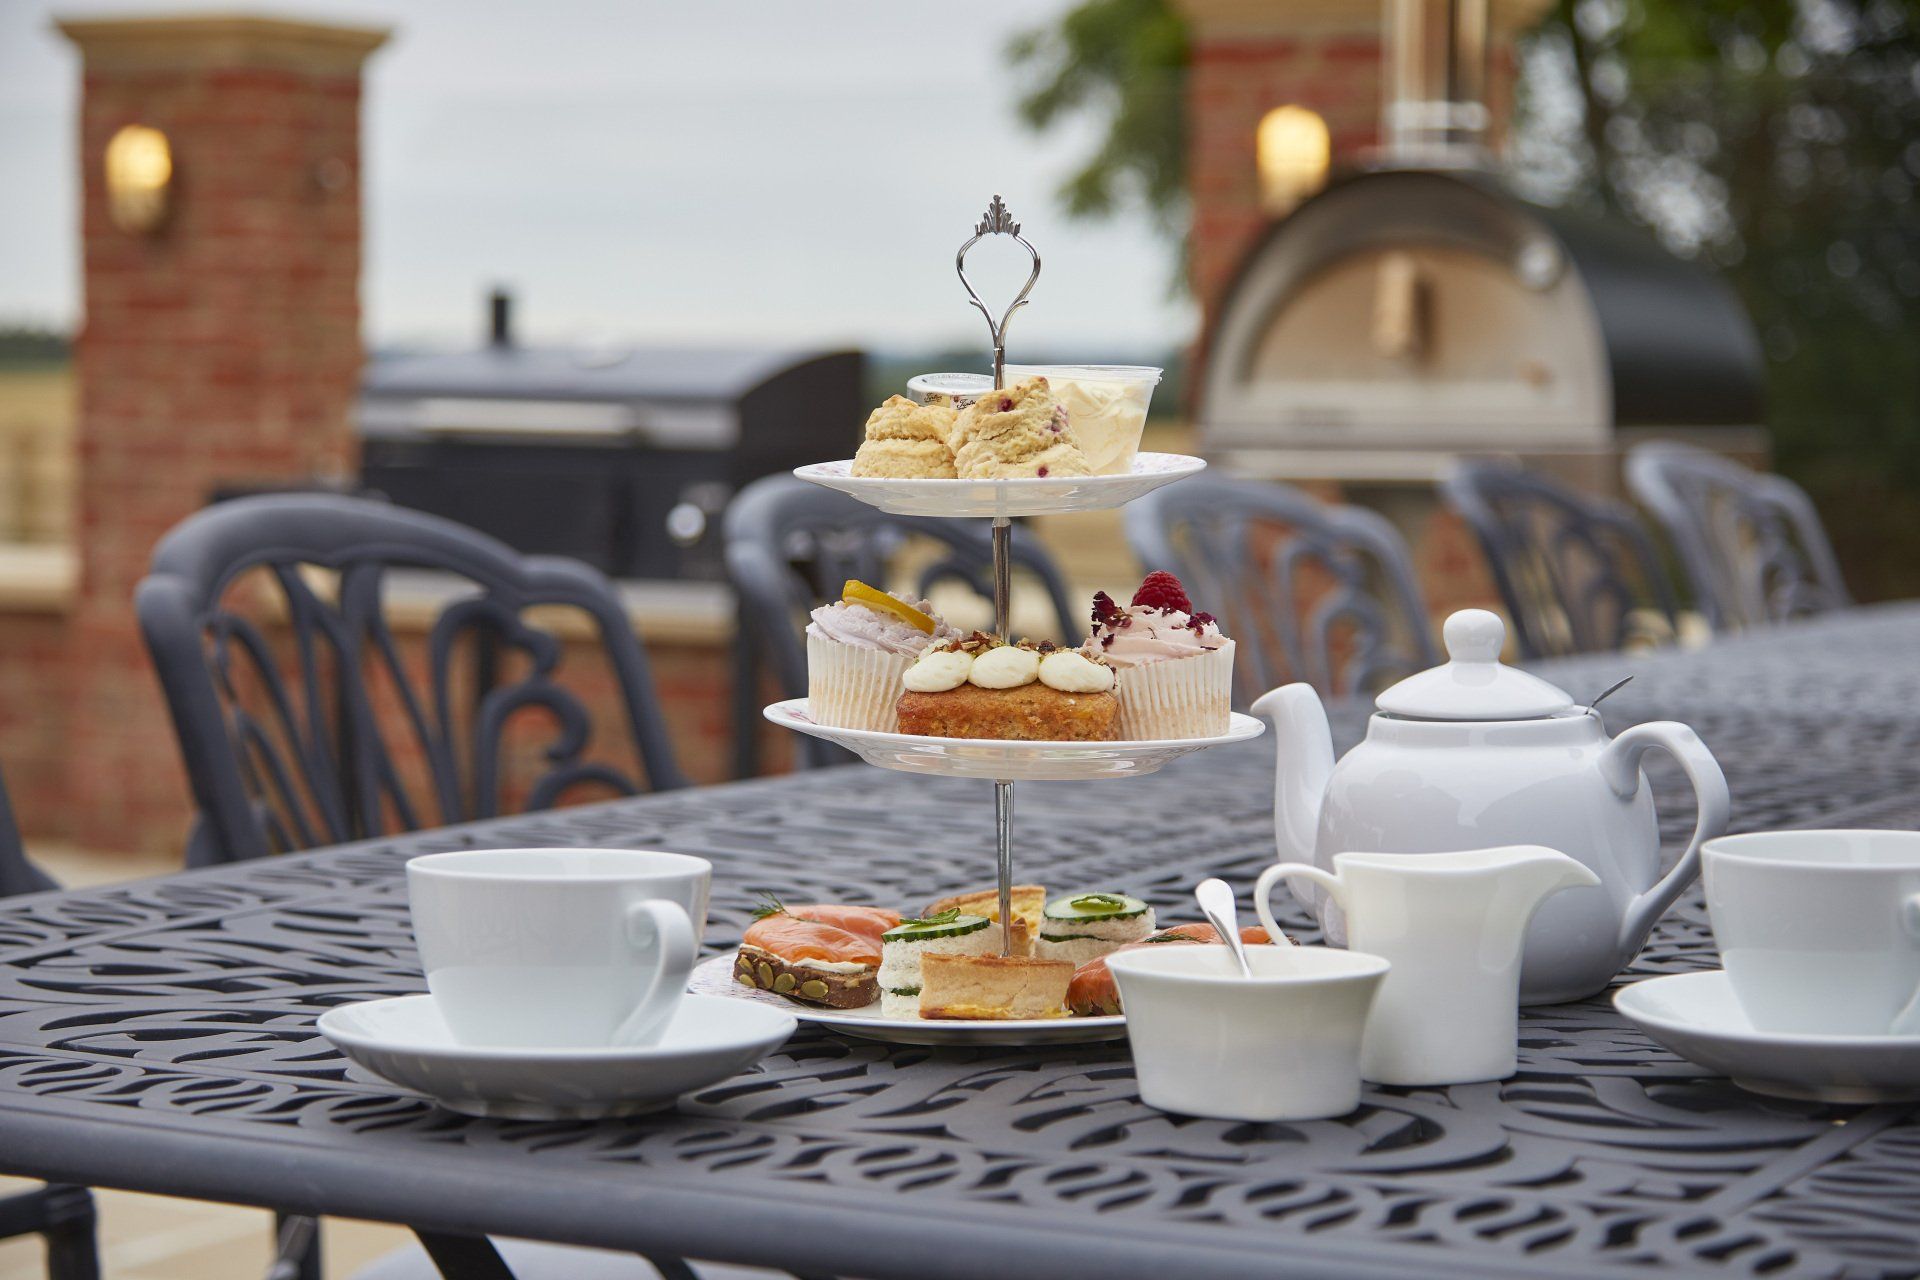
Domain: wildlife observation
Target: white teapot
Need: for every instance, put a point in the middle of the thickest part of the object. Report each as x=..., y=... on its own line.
x=1473, y=754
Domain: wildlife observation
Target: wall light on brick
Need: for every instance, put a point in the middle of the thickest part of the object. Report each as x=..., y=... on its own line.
x=1294, y=152
x=139, y=178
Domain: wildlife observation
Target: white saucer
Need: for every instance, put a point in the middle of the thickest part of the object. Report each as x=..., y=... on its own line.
x=1008, y=761
x=714, y=979
x=1025, y=497
x=405, y=1041
x=1698, y=1017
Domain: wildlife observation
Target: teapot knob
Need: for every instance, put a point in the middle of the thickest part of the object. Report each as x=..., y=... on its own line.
x=1474, y=635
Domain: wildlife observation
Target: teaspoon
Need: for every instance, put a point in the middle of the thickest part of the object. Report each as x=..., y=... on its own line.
x=1215, y=897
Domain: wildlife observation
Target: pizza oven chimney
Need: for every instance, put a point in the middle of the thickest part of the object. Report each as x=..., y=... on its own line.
x=1434, y=115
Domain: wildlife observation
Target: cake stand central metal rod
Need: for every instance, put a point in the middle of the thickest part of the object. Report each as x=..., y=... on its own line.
x=1003, y=791
x=1003, y=829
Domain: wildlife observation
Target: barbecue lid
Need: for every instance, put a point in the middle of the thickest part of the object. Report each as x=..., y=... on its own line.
x=1474, y=684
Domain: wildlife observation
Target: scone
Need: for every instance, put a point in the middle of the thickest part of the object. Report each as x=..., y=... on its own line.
x=980, y=688
x=1017, y=432
x=907, y=441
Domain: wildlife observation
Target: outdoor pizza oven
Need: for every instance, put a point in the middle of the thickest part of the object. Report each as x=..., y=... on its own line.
x=622, y=457
x=1420, y=310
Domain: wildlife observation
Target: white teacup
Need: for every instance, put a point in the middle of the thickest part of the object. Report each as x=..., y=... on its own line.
x=558, y=948
x=1819, y=930
x=1282, y=1045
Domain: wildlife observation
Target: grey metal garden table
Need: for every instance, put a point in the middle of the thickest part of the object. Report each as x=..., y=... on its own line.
x=159, y=1036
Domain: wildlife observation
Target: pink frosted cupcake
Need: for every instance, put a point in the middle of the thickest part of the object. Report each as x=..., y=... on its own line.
x=1175, y=668
x=858, y=648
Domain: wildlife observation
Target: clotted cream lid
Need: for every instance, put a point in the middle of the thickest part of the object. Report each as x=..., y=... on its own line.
x=1473, y=684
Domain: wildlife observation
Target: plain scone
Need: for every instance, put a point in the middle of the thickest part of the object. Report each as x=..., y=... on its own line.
x=907, y=441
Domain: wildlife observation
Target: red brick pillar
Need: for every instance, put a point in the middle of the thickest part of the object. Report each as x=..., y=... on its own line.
x=220, y=347
x=1250, y=56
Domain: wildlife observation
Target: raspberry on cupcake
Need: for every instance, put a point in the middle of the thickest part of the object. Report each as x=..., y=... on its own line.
x=1175, y=666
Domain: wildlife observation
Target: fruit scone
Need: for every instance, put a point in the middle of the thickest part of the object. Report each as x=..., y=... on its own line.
x=978, y=687
x=1017, y=432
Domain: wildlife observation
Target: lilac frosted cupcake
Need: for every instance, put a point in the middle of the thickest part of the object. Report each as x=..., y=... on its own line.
x=1175, y=667
x=858, y=648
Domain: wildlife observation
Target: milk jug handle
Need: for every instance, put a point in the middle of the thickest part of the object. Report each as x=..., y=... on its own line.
x=1263, y=889
x=1620, y=766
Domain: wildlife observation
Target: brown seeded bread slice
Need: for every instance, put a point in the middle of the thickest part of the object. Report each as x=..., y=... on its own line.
x=754, y=967
x=956, y=986
x=1029, y=904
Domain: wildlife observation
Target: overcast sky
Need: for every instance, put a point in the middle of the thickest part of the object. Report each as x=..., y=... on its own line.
x=730, y=170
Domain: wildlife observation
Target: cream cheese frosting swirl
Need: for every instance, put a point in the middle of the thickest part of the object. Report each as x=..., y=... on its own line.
x=1004, y=666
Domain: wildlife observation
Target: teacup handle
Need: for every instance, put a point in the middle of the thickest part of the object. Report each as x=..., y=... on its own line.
x=667, y=925
x=1263, y=889
x=1620, y=766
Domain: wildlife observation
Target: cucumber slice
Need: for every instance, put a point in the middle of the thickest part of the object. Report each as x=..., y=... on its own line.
x=1091, y=907
x=948, y=924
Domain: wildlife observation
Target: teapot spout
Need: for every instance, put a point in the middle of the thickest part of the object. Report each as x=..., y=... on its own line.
x=1303, y=761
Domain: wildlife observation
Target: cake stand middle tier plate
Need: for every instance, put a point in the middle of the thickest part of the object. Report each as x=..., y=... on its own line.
x=1027, y=496
x=1004, y=760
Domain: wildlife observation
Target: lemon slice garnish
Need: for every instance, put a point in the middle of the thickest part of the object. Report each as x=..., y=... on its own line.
x=857, y=592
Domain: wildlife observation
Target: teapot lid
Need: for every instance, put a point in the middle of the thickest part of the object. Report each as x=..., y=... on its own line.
x=1473, y=684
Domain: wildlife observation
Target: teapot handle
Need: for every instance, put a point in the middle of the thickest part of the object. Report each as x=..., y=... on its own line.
x=1620, y=766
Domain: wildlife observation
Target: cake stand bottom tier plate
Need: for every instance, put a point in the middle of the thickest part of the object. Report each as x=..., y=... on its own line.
x=715, y=978
x=1007, y=761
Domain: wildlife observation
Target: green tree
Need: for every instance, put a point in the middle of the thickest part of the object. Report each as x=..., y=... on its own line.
x=1125, y=62
x=1779, y=141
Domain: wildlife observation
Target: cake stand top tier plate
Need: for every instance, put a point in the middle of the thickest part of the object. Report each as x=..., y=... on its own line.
x=1033, y=496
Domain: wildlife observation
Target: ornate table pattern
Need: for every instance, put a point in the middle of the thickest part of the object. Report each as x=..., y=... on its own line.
x=160, y=1036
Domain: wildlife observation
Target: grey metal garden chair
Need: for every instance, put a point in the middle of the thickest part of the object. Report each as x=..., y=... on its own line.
x=1310, y=592
x=304, y=721
x=790, y=546
x=61, y=1215
x=1578, y=574
x=1750, y=543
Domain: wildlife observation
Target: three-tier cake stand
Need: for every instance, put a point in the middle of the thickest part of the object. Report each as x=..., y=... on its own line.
x=1005, y=762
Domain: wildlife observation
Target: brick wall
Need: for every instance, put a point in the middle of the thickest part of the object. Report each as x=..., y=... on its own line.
x=1250, y=56
x=221, y=349
x=1234, y=80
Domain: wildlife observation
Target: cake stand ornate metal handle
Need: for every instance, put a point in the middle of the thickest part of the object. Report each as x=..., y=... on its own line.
x=997, y=221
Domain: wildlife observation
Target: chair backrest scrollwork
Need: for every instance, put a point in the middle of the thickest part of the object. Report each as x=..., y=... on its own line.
x=304, y=719
x=1577, y=574
x=1751, y=544
x=1310, y=592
